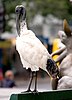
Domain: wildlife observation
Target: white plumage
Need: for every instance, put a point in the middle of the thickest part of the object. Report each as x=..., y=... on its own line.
x=32, y=52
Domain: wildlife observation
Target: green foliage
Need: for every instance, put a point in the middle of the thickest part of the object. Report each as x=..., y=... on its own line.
x=59, y=8
x=10, y=5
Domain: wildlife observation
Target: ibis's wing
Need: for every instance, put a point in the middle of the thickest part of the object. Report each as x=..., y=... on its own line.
x=32, y=50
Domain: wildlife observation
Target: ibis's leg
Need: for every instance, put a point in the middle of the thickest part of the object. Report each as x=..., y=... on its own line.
x=28, y=90
x=35, y=74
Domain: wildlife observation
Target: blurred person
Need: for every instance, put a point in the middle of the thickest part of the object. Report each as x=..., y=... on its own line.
x=8, y=81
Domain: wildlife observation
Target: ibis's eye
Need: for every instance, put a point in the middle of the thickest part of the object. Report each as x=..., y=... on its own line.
x=16, y=10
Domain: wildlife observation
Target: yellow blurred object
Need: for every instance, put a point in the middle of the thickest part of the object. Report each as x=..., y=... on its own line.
x=5, y=44
x=55, y=47
x=13, y=41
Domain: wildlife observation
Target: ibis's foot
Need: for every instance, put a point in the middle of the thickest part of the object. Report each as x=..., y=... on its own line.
x=27, y=91
x=35, y=91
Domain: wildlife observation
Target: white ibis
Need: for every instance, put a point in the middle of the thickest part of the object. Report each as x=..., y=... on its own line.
x=32, y=52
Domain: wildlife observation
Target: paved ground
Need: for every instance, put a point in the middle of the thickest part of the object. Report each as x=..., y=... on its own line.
x=43, y=85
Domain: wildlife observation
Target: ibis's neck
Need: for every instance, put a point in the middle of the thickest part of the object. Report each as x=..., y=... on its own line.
x=23, y=26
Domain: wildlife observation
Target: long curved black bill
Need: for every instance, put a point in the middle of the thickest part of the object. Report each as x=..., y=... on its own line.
x=18, y=24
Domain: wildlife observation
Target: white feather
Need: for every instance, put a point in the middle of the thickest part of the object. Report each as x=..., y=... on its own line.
x=32, y=52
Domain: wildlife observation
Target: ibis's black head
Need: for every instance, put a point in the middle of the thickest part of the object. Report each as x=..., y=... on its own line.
x=20, y=16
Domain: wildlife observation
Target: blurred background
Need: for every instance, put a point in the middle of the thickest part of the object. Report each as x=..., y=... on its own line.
x=45, y=18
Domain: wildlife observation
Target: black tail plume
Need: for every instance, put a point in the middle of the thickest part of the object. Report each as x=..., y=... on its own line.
x=52, y=68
